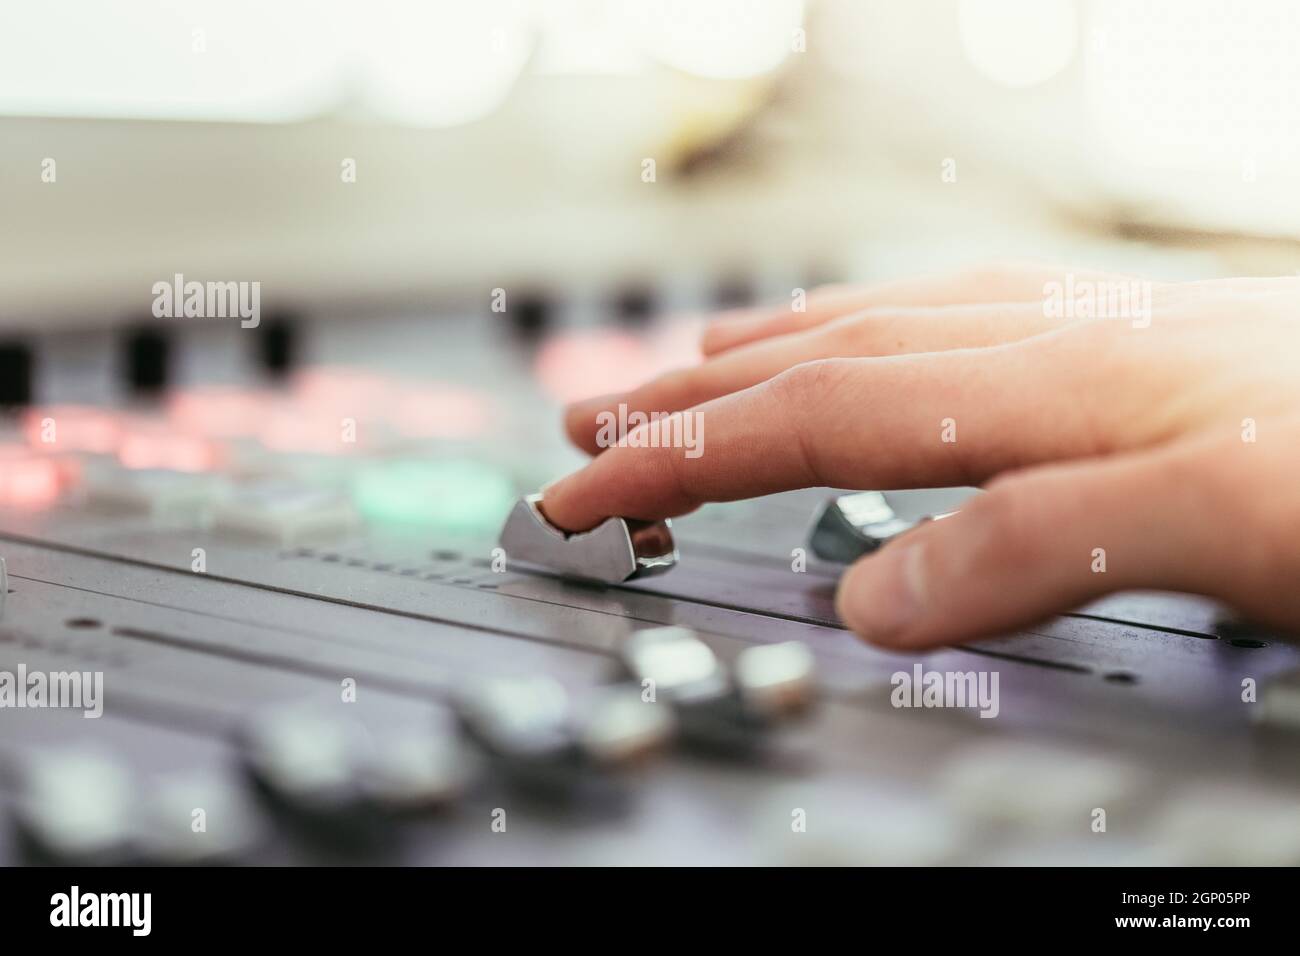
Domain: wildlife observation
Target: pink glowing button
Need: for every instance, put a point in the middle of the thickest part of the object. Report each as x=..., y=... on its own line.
x=298, y=427
x=27, y=480
x=219, y=411
x=72, y=428
x=346, y=392
x=442, y=411
x=577, y=365
x=150, y=444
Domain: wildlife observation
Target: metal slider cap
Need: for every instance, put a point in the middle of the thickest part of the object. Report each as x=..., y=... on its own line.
x=616, y=550
x=850, y=526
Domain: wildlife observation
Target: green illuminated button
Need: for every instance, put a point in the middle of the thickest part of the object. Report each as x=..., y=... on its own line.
x=450, y=495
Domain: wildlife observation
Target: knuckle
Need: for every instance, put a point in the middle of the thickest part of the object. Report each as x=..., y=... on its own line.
x=856, y=333
x=675, y=383
x=807, y=381
x=1007, y=522
x=1224, y=481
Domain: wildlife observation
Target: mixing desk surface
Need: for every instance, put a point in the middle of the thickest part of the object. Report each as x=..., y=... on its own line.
x=292, y=636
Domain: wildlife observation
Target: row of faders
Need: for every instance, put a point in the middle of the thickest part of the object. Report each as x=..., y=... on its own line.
x=327, y=779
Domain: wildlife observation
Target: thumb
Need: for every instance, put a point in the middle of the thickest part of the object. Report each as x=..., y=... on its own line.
x=1036, y=543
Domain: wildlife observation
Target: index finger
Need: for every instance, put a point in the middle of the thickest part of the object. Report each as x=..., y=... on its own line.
x=947, y=418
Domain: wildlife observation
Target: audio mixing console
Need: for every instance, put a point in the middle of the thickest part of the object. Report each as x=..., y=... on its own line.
x=289, y=618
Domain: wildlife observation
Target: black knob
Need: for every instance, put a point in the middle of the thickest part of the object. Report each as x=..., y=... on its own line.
x=277, y=343
x=530, y=314
x=15, y=374
x=146, y=353
x=634, y=305
x=733, y=292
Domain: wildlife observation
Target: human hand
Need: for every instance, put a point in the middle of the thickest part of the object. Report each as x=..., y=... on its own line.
x=1165, y=440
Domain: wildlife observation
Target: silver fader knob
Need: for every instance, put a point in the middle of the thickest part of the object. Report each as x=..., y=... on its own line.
x=197, y=816
x=850, y=526
x=305, y=762
x=681, y=667
x=75, y=807
x=724, y=710
x=415, y=770
x=616, y=550
x=4, y=587
x=1279, y=701
x=776, y=680
x=616, y=727
x=544, y=740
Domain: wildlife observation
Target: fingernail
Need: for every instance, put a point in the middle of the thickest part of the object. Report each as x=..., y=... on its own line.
x=882, y=597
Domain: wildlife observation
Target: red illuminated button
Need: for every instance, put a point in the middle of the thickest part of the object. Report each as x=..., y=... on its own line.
x=441, y=411
x=27, y=479
x=65, y=428
x=148, y=444
x=219, y=411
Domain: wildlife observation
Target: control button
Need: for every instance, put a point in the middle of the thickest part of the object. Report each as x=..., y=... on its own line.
x=276, y=344
x=4, y=587
x=714, y=708
x=306, y=763
x=452, y=495
x=197, y=817
x=634, y=305
x=523, y=724
x=443, y=411
x=27, y=479
x=850, y=526
x=146, y=443
x=285, y=512
x=76, y=806
x=220, y=411
x=146, y=359
x=546, y=742
x=1230, y=825
x=776, y=680
x=529, y=314
x=15, y=374
x=616, y=550
x=151, y=491
x=733, y=292
x=676, y=663
x=849, y=822
x=414, y=770
x=1279, y=701
x=72, y=428
x=1027, y=785
x=618, y=726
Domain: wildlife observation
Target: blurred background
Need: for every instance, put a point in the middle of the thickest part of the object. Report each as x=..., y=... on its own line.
x=586, y=179
x=504, y=143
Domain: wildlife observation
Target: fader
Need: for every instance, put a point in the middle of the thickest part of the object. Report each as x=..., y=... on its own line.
x=849, y=526
x=616, y=550
x=718, y=706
